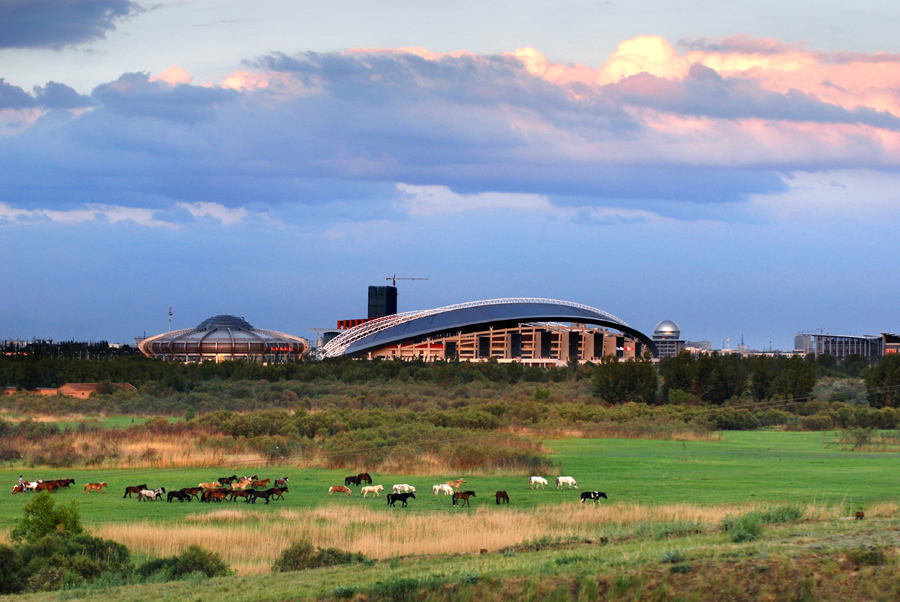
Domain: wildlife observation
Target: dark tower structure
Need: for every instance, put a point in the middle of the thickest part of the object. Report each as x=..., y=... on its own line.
x=382, y=301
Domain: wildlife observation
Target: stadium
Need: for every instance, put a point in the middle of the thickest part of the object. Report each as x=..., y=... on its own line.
x=531, y=331
x=224, y=337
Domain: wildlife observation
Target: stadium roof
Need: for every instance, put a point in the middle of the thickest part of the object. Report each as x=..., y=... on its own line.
x=415, y=326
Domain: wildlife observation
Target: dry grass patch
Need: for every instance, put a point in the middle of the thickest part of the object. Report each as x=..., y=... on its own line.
x=250, y=541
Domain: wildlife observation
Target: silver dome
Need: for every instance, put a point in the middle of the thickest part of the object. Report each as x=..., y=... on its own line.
x=667, y=329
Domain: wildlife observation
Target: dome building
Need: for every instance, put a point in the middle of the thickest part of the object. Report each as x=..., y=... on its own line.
x=667, y=336
x=224, y=337
x=537, y=332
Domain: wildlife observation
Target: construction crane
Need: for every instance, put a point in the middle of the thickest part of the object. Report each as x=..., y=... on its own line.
x=395, y=278
x=820, y=338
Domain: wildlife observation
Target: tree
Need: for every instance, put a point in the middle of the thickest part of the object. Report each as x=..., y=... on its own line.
x=883, y=382
x=797, y=378
x=761, y=381
x=42, y=517
x=621, y=382
x=712, y=377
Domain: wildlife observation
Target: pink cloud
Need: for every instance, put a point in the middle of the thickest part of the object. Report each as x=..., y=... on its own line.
x=174, y=75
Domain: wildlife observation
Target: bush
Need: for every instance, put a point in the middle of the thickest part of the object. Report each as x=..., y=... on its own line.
x=300, y=557
x=821, y=421
x=746, y=527
x=43, y=517
x=193, y=560
x=782, y=514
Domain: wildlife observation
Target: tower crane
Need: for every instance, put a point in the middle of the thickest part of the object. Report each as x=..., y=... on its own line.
x=395, y=278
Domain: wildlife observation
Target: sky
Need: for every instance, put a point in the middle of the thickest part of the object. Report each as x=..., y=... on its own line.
x=733, y=168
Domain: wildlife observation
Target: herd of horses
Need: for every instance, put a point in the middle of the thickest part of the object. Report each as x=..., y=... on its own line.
x=250, y=488
x=403, y=492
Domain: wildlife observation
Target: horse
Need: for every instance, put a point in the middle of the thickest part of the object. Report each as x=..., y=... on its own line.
x=403, y=488
x=192, y=491
x=364, y=478
x=339, y=489
x=456, y=484
x=98, y=487
x=371, y=489
x=267, y=494
x=281, y=482
x=537, y=482
x=593, y=495
x=178, y=495
x=236, y=493
x=400, y=497
x=351, y=480
x=443, y=487
x=502, y=495
x=228, y=480
x=136, y=489
x=560, y=481
x=464, y=495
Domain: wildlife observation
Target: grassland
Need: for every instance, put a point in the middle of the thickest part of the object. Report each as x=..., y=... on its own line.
x=655, y=488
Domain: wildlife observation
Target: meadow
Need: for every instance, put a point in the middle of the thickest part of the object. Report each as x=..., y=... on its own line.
x=655, y=488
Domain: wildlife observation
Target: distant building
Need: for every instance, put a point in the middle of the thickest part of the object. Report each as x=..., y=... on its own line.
x=382, y=301
x=840, y=346
x=890, y=343
x=698, y=346
x=667, y=336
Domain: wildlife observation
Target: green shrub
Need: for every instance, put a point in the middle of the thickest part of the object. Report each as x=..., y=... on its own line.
x=300, y=556
x=746, y=527
x=43, y=516
x=10, y=582
x=673, y=557
x=868, y=556
x=782, y=514
x=193, y=560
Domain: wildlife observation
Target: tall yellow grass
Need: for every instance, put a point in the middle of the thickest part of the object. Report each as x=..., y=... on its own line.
x=250, y=541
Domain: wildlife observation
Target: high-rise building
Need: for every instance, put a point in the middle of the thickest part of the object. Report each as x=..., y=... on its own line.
x=382, y=301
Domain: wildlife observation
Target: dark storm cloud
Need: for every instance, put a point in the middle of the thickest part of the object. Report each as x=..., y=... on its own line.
x=59, y=23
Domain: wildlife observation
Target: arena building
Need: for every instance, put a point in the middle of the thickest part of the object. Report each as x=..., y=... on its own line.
x=530, y=331
x=224, y=337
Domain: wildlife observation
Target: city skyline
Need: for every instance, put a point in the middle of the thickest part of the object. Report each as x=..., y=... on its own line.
x=731, y=169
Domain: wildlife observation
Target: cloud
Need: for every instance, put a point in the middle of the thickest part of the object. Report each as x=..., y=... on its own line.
x=59, y=23
x=714, y=124
x=10, y=215
x=137, y=95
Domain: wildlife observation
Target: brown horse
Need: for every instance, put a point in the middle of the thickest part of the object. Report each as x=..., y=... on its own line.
x=98, y=487
x=455, y=484
x=135, y=489
x=339, y=489
x=464, y=496
x=364, y=478
x=502, y=495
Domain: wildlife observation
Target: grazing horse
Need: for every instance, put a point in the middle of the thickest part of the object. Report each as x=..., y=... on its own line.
x=502, y=495
x=537, y=482
x=400, y=497
x=339, y=489
x=192, y=491
x=442, y=488
x=178, y=495
x=560, y=481
x=136, y=489
x=371, y=489
x=463, y=495
x=593, y=495
x=456, y=484
x=364, y=478
x=351, y=480
x=98, y=487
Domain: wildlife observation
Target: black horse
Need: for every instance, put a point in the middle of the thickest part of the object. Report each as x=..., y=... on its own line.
x=178, y=495
x=502, y=496
x=351, y=480
x=593, y=495
x=400, y=497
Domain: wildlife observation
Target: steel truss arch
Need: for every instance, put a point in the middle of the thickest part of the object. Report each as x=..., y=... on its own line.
x=340, y=344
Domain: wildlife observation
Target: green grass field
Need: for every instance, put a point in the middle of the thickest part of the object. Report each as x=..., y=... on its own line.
x=744, y=467
x=806, y=559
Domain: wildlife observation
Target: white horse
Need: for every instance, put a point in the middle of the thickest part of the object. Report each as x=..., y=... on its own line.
x=447, y=489
x=537, y=482
x=560, y=481
x=372, y=489
x=403, y=488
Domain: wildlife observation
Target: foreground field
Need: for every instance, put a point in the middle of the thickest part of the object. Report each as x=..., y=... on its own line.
x=654, y=487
